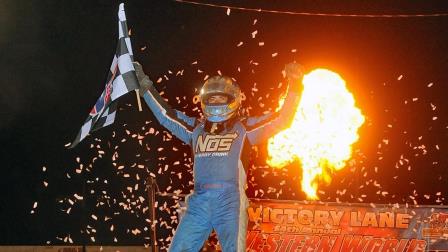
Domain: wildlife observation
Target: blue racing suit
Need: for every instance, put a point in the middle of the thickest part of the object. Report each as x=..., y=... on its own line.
x=220, y=158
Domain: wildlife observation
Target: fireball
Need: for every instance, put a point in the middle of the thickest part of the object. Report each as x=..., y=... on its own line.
x=324, y=128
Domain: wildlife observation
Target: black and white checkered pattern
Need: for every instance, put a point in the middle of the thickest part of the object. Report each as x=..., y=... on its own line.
x=120, y=81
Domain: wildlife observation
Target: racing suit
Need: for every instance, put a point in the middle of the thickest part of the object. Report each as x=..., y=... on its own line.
x=220, y=161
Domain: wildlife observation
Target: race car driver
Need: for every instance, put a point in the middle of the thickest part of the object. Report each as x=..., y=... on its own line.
x=219, y=143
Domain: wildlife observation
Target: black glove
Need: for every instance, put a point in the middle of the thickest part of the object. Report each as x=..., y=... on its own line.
x=143, y=79
x=294, y=72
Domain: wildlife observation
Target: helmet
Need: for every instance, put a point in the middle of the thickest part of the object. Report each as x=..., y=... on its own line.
x=220, y=85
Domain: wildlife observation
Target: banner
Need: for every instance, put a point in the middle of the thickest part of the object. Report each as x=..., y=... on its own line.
x=299, y=226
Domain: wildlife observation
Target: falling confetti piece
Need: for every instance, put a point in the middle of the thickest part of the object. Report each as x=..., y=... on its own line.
x=78, y=197
x=254, y=33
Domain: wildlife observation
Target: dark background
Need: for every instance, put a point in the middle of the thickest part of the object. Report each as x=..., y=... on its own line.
x=54, y=61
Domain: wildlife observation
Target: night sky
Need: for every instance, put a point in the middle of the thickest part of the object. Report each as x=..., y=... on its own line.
x=54, y=61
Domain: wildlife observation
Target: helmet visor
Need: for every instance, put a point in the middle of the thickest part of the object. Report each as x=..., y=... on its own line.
x=217, y=98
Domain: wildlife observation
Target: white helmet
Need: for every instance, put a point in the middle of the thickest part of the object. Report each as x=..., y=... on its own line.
x=220, y=85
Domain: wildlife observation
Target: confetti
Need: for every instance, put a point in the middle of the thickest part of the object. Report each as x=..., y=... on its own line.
x=254, y=33
x=137, y=151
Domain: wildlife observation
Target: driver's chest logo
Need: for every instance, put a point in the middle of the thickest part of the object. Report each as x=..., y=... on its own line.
x=215, y=143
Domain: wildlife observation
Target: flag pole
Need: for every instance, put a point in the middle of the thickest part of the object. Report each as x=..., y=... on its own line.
x=139, y=103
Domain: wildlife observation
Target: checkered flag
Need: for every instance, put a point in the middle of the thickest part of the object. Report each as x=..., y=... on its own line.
x=120, y=81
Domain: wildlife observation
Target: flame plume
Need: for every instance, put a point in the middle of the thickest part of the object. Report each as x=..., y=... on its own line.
x=324, y=128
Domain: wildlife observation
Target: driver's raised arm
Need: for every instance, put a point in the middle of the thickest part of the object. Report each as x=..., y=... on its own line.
x=175, y=121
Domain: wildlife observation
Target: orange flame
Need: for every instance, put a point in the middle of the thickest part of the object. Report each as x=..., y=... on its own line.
x=324, y=128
